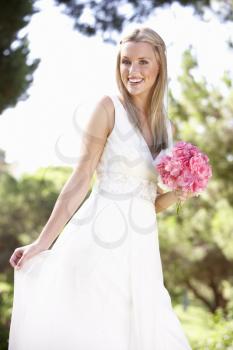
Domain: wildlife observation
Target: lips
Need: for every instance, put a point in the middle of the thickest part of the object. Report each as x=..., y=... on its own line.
x=135, y=80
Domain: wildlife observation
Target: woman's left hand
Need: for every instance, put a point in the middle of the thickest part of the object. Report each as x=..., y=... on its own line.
x=183, y=196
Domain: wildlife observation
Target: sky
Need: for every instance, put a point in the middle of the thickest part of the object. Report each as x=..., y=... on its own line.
x=76, y=70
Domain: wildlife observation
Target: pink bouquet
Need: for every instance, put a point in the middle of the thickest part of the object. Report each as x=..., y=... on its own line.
x=186, y=169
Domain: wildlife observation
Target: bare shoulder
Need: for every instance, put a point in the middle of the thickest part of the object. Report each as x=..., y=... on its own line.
x=107, y=105
x=107, y=102
x=99, y=120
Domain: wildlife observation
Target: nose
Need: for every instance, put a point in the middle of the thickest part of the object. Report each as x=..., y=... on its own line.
x=133, y=68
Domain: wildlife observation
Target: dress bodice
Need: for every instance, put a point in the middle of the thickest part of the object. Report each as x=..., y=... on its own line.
x=126, y=166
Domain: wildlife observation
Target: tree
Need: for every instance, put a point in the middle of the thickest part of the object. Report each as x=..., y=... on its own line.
x=25, y=206
x=15, y=69
x=91, y=17
x=109, y=16
x=195, y=245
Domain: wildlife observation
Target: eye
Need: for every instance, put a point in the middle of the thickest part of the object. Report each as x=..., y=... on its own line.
x=125, y=61
x=143, y=62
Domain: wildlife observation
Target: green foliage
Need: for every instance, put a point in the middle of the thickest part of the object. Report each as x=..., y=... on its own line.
x=25, y=206
x=58, y=175
x=15, y=68
x=107, y=17
x=205, y=330
x=6, y=299
x=220, y=335
x=195, y=246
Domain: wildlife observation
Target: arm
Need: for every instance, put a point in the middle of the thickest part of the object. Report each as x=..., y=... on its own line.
x=75, y=189
x=165, y=200
x=159, y=190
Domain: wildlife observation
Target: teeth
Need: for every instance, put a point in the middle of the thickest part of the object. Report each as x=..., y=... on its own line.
x=135, y=80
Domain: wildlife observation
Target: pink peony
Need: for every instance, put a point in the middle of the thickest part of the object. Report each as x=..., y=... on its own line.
x=186, y=169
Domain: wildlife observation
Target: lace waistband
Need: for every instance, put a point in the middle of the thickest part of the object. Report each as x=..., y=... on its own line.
x=121, y=186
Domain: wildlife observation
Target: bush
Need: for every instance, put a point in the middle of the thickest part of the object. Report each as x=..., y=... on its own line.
x=221, y=335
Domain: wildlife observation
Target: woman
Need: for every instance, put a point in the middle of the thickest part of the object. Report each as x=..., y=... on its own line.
x=100, y=286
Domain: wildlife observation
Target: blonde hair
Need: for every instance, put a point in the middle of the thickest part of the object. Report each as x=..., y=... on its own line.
x=156, y=108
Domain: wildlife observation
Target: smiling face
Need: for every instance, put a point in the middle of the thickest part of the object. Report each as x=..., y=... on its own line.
x=139, y=67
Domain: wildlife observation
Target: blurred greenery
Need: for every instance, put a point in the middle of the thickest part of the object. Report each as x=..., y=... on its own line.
x=206, y=331
x=108, y=17
x=195, y=245
x=15, y=67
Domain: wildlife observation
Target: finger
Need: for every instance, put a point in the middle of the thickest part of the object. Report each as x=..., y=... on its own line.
x=17, y=254
x=20, y=262
x=15, y=258
x=13, y=261
x=181, y=199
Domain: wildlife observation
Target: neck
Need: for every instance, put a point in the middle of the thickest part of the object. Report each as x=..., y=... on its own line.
x=142, y=105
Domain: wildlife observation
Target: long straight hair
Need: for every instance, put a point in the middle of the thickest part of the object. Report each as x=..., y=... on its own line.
x=156, y=108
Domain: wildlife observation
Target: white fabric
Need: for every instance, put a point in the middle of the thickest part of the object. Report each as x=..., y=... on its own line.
x=100, y=286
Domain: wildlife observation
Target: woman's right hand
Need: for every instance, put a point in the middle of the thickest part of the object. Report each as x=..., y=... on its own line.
x=22, y=254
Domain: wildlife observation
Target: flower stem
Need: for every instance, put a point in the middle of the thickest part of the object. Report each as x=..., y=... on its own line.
x=178, y=207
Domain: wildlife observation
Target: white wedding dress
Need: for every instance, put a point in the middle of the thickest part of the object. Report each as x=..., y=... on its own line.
x=100, y=286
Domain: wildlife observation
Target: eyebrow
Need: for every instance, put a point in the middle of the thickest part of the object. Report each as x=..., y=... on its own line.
x=140, y=58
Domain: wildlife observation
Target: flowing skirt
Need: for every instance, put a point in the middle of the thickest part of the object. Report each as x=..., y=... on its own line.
x=100, y=286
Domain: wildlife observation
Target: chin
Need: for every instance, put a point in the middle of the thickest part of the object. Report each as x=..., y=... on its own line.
x=136, y=93
x=133, y=91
